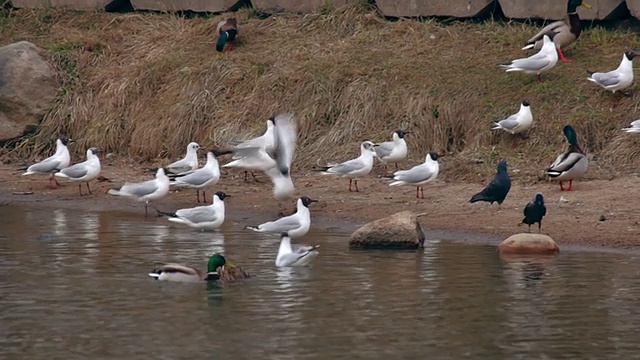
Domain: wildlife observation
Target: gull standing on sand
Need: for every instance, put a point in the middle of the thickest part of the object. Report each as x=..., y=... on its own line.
x=618, y=79
x=266, y=142
x=146, y=191
x=633, y=127
x=497, y=189
x=209, y=217
x=85, y=171
x=534, y=211
x=354, y=168
x=188, y=163
x=58, y=161
x=277, y=165
x=517, y=123
x=392, y=151
x=419, y=174
x=200, y=179
x=536, y=64
x=300, y=256
x=297, y=225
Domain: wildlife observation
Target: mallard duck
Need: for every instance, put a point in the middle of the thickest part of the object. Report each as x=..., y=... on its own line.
x=566, y=30
x=570, y=165
x=227, y=32
x=218, y=269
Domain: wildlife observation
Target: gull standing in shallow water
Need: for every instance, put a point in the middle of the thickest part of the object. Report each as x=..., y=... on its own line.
x=536, y=64
x=392, y=151
x=354, y=168
x=517, y=123
x=618, y=79
x=206, y=176
x=188, y=163
x=418, y=175
x=146, y=191
x=85, y=171
x=209, y=217
x=300, y=256
x=633, y=127
x=297, y=225
x=54, y=163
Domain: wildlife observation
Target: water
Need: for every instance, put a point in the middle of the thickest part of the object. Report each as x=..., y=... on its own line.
x=74, y=285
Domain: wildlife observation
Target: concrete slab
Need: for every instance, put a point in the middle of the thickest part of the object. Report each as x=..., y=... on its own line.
x=71, y=4
x=455, y=8
x=557, y=9
x=296, y=6
x=183, y=5
x=634, y=8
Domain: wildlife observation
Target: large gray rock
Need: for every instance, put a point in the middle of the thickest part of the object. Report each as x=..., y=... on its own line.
x=528, y=243
x=556, y=9
x=27, y=88
x=296, y=6
x=455, y=8
x=70, y=4
x=398, y=231
x=183, y=5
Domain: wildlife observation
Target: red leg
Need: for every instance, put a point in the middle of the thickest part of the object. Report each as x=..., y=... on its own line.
x=198, y=196
x=80, y=188
x=89, y=189
x=356, y=182
x=561, y=187
x=570, y=185
x=231, y=43
x=417, y=192
x=421, y=192
x=562, y=57
x=538, y=78
x=350, y=181
x=204, y=196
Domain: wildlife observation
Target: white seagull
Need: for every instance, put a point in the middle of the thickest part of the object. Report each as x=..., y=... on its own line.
x=266, y=142
x=297, y=225
x=392, y=151
x=618, y=79
x=188, y=163
x=518, y=122
x=200, y=179
x=419, y=174
x=58, y=161
x=277, y=165
x=354, y=168
x=633, y=127
x=85, y=171
x=536, y=64
x=209, y=217
x=300, y=256
x=146, y=191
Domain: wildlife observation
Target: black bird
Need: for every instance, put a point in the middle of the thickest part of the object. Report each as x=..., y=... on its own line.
x=497, y=189
x=535, y=211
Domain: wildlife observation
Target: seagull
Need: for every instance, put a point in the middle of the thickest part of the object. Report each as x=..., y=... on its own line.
x=633, y=127
x=266, y=142
x=206, y=176
x=354, y=168
x=536, y=64
x=54, y=163
x=297, y=225
x=497, y=189
x=146, y=191
x=419, y=174
x=85, y=171
x=301, y=256
x=618, y=79
x=392, y=151
x=535, y=211
x=517, y=123
x=188, y=163
x=570, y=165
x=277, y=165
x=209, y=217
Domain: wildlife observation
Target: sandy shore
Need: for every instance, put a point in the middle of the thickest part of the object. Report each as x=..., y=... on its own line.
x=601, y=213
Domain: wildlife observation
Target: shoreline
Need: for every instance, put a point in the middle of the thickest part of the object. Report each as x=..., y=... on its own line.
x=598, y=216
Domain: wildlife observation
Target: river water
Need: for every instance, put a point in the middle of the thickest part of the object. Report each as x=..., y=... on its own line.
x=74, y=285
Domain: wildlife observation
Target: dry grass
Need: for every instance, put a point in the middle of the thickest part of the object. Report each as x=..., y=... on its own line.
x=143, y=85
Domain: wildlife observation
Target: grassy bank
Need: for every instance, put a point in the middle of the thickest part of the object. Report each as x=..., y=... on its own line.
x=143, y=85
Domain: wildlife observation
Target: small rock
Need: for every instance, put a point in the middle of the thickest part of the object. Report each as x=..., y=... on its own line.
x=398, y=231
x=528, y=243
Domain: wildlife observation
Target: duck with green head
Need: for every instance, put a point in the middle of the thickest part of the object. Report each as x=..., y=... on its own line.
x=570, y=165
x=218, y=269
x=566, y=30
x=227, y=32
